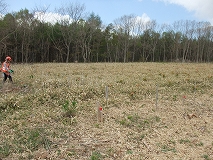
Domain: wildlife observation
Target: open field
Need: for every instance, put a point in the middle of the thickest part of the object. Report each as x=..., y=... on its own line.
x=151, y=111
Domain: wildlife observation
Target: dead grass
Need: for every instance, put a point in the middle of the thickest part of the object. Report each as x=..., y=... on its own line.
x=175, y=123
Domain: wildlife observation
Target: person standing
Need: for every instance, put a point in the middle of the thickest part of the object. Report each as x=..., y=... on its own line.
x=6, y=69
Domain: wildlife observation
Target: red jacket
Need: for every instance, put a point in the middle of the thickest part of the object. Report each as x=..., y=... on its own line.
x=5, y=67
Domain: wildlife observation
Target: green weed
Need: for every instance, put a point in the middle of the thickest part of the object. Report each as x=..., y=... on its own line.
x=200, y=144
x=31, y=139
x=96, y=156
x=110, y=151
x=70, y=109
x=165, y=148
x=4, y=150
x=139, y=123
x=129, y=152
x=206, y=157
x=7, y=103
x=174, y=97
x=121, y=81
x=124, y=122
x=133, y=118
x=144, y=79
x=184, y=141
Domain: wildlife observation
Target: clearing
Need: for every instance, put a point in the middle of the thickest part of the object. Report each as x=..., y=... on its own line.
x=151, y=111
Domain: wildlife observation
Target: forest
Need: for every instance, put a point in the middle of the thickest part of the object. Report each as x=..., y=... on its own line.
x=83, y=37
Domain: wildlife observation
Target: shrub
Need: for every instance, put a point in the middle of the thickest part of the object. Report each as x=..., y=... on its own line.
x=70, y=110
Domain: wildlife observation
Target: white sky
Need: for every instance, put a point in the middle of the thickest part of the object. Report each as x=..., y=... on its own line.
x=202, y=9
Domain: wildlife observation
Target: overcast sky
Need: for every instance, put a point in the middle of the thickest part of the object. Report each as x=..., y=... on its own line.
x=163, y=11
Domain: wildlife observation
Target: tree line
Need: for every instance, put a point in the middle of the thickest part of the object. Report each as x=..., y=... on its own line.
x=79, y=38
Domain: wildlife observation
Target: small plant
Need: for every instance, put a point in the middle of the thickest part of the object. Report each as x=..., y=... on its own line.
x=121, y=81
x=4, y=150
x=69, y=121
x=165, y=148
x=200, y=144
x=70, y=110
x=129, y=152
x=31, y=139
x=133, y=118
x=96, y=156
x=206, y=157
x=174, y=97
x=124, y=122
x=31, y=76
x=142, y=136
x=97, y=125
x=172, y=142
x=169, y=84
x=72, y=152
x=144, y=79
x=157, y=119
x=110, y=151
x=184, y=141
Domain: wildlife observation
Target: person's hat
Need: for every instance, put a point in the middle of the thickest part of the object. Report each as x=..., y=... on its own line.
x=8, y=58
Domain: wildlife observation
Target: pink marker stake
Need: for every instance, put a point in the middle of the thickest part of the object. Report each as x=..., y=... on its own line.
x=99, y=113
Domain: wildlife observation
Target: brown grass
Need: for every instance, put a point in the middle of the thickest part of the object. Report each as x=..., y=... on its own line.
x=154, y=111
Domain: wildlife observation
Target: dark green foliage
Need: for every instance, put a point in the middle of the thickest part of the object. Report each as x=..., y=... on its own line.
x=63, y=41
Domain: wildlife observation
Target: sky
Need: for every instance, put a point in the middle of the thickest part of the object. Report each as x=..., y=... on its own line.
x=163, y=11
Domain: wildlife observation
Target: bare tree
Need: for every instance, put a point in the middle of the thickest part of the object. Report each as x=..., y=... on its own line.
x=25, y=19
x=92, y=29
x=42, y=40
x=209, y=40
x=139, y=29
x=3, y=7
x=71, y=14
x=154, y=37
x=201, y=29
x=125, y=26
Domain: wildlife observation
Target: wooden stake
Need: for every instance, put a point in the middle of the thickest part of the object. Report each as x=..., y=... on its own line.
x=195, y=87
x=106, y=93
x=157, y=96
x=184, y=98
x=99, y=113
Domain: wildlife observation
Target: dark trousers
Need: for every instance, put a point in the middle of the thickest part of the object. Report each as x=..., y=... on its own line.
x=7, y=76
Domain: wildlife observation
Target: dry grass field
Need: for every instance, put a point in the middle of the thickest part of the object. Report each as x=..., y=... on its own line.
x=151, y=111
